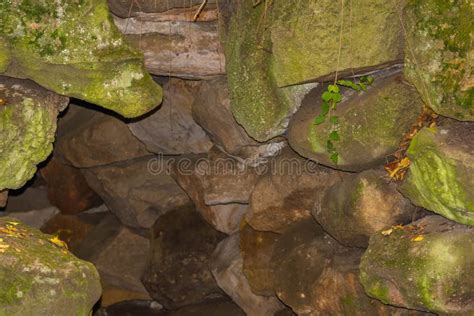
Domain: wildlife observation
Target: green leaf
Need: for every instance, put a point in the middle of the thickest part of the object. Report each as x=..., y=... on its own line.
x=370, y=80
x=333, y=88
x=319, y=119
x=334, y=119
x=334, y=136
x=337, y=97
x=330, y=146
x=363, y=86
x=324, y=108
x=349, y=84
x=327, y=96
x=334, y=157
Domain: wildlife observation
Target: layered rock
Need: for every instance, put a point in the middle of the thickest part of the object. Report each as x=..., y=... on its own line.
x=28, y=124
x=227, y=270
x=171, y=129
x=440, y=177
x=75, y=49
x=137, y=191
x=178, y=273
x=427, y=265
x=39, y=276
x=359, y=205
x=89, y=138
x=439, y=55
x=371, y=124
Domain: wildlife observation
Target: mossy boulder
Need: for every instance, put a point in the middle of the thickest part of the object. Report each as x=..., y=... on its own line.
x=371, y=124
x=27, y=128
x=74, y=48
x=439, y=55
x=359, y=205
x=305, y=38
x=428, y=265
x=40, y=277
x=440, y=177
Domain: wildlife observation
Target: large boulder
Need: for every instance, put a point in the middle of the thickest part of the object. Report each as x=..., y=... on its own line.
x=171, y=129
x=40, y=277
x=178, y=273
x=137, y=191
x=440, y=177
x=88, y=138
x=427, y=265
x=359, y=205
x=439, y=55
x=371, y=124
x=27, y=125
x=76, y=50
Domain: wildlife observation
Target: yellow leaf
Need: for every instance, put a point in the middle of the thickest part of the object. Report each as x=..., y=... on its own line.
x=387, y=232
x=13, y=223
x=418, y=238
x=58, y=242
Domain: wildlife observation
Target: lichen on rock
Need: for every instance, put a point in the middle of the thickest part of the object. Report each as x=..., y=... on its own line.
x=40, y=277
x=27, y=126
x=74, y=48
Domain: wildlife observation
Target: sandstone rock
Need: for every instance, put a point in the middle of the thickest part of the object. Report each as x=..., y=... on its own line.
x=171, y=129
x=439, y=55
x=34, y=218
x=227, y=264
x=427, y=265
x=359, y=205
x=76, y=54
x=257, y=252
x=174, y=45
x=3, y=198
x=112, y=295
x=211, y=110
x=67, y=188
x=38, y=276
x=440, y=177
x=119, y=254
x=89, y=138
x=371, y=125
x=181, y=249
x=135, y=191
x=28, y=124
x=287, y=192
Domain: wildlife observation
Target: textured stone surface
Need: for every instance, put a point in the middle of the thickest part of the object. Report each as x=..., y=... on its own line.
x=428, y=265
x=359, y=205
x=371, y=124
x=439, y=55
x=126, y=8
x=41, y=277
x=227, y=264
x=440, y=177
x=171, y=129
x=179, y=273
x=27, y=126
x=67, y=188
x=3, y=198
x=137, y=191
x=89, y=138
x=75, y=49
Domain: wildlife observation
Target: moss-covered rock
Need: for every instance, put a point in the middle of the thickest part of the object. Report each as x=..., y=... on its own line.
x=440, y=177
x=428, y=265
x=74, y=48
x=439, y=55
x=27, y=127
x=39, y=277
x=305, y=37
x=359, y=205
x=371, y=124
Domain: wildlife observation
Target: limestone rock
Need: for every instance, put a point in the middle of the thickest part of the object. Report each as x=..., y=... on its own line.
x=211, y=110
x=181, y=249
x=439, y=55
x=27, y=125
x=137, y=191
x=359, y=205
x=227, y=270
x=171, y=129
x=287, y=192
x=371, y=124
x=89, y=138
x=440, y=177
x=75, y=49
x=257, y=251
x=427, y=265
x=119, y=254
x=67, y=188
x=39, y=277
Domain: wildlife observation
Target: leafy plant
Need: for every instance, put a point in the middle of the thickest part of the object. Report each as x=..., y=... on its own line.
x=331, y=98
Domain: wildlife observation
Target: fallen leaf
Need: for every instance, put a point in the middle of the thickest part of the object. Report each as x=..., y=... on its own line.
x=418, y=238
x=58, y=242
x=387, y=232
